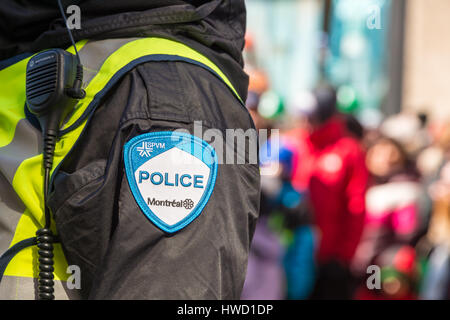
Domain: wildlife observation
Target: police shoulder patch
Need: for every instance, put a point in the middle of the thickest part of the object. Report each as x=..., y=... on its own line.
x=171, y=176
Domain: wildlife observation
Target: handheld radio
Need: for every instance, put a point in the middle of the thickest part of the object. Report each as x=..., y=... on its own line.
x=53, y=85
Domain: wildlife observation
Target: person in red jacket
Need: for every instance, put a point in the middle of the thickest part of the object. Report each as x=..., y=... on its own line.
x=331, y=167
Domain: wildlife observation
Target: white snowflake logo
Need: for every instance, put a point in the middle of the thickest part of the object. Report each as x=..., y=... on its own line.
x=145, y=149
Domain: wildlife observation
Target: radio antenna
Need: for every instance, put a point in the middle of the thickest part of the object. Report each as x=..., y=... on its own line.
x=68, y=30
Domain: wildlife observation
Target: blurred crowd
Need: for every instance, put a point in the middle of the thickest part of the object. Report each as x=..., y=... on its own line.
x=348, y=211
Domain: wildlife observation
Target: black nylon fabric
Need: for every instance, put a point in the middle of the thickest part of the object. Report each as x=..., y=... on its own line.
x=122, y=255
x=215, y=28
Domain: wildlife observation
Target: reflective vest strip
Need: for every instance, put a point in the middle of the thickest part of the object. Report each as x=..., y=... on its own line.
x=12, y=80
x=138, y=49
x=27, y=183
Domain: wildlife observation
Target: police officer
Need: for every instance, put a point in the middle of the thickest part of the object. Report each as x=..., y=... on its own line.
x=140, y=211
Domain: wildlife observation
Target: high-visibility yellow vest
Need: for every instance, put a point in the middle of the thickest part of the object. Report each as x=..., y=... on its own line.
x=21, y=174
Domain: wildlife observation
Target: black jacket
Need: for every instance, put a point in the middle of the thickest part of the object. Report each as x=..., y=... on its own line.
x=122, y=255
x=215, y=28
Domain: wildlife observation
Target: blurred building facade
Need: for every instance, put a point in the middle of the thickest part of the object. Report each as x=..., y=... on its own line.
x=392, y=54
x=426, y=58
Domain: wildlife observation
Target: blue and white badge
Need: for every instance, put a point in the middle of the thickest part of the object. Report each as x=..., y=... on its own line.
x=171, y=176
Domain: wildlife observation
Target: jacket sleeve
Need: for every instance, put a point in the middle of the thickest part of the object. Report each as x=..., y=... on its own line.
x=121, y=253
x=355, y=191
